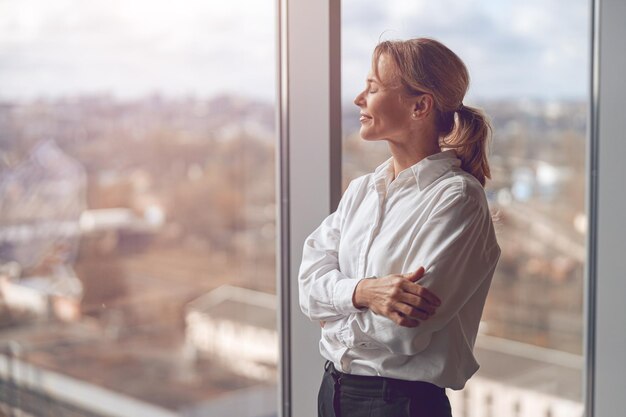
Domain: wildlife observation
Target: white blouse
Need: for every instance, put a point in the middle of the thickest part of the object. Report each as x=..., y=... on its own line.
x=435, y=215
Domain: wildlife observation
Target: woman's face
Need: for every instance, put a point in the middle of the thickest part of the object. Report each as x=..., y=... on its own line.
x=385, y=114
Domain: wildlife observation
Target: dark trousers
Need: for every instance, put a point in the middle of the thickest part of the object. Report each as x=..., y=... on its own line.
x=344, y=395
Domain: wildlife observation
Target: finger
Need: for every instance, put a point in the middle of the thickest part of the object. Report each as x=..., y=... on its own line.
x=429, y=296
x=417, y=302
x=417, y=275
x=420, y=291
x=412, y=312
x=401, y=320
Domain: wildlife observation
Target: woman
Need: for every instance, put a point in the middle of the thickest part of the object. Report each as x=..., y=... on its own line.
x=398, y=275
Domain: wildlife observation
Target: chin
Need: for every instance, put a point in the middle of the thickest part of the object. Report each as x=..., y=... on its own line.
x=369, y=137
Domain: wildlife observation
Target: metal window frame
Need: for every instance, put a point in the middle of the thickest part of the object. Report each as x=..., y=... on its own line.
x=591, y=197
x=605, y=308
x=308, y=174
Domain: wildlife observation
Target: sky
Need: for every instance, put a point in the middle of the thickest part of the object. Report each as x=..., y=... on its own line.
x=130, y=49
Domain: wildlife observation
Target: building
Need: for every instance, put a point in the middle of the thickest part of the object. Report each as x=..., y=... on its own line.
x=236, y=326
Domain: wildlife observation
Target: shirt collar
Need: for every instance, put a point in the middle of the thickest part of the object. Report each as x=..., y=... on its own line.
x=425, y=171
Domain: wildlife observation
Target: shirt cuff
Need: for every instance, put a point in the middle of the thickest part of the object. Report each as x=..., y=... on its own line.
x=342, y=298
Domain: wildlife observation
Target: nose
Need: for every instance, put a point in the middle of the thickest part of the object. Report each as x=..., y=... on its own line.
x=358, y=100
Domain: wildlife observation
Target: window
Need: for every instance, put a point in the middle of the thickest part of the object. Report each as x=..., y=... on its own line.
x=137, y=218
x=529, y=66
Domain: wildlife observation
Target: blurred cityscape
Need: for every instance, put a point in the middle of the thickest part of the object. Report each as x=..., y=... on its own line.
x=137, y=252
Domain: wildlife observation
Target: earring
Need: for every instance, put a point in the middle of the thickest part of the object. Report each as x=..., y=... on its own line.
x=414, y=115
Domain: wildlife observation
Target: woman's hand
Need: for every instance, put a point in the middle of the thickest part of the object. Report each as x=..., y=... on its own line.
x=397, y=297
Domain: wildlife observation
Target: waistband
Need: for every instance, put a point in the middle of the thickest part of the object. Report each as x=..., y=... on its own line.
x=380, y=386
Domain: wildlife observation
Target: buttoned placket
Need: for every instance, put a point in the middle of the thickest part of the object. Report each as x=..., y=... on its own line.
x=380, y=206
x=384, y=194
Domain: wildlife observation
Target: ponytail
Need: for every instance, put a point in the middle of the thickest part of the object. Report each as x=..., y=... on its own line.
x=469, y=137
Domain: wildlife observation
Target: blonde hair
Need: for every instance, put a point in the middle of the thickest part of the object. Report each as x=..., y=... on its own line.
x=424, y=65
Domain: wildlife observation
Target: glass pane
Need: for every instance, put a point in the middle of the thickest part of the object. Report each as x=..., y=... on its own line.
x=137, y=208
x=528, y=64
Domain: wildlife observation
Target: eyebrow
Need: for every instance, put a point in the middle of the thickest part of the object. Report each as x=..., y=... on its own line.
x=371, y=80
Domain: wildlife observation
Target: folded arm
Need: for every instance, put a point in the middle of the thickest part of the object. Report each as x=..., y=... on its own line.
x=325, y=293
x=458, y=249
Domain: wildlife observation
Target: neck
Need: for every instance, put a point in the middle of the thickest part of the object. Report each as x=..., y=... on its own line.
x=408, y=153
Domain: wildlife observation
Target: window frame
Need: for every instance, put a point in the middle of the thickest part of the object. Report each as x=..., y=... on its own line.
x=604, y=303
x=309, y=184
x=308, y=177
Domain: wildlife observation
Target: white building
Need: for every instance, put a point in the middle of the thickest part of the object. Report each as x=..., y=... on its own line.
x=237, y=327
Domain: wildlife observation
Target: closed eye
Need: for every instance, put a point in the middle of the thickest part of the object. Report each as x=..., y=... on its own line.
x=368, y=82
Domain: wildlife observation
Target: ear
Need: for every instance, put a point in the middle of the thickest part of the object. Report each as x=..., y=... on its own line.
x=422, y=106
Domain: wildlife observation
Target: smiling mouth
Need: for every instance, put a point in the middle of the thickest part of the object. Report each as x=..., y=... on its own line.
x=363, y=118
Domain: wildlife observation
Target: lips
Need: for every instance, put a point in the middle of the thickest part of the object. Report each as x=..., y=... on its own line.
x=364, y=117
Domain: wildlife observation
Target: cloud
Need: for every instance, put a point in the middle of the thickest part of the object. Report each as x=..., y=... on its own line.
x=535, y=48
x=137, y=48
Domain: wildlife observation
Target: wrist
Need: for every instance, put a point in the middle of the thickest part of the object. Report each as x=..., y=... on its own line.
x=359, y=298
